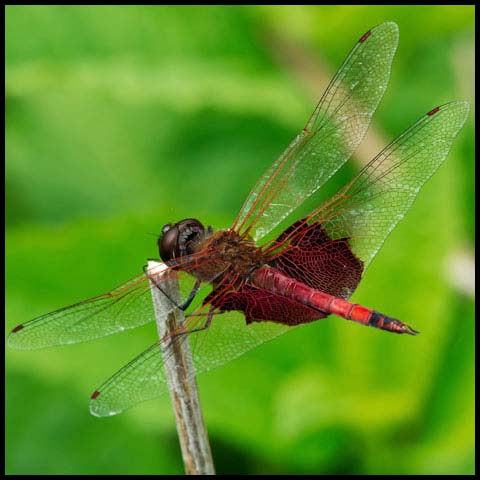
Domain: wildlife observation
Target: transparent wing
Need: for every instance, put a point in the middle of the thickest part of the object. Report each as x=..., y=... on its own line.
x=125, y=307
x=143, y=378
x=372, y=204
x=332, y=133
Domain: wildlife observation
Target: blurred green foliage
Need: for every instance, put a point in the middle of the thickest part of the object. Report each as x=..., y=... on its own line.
x=121, y=119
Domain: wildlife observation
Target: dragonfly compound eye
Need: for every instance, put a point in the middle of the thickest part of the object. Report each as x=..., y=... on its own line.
x=180, y=239
x=166, y=228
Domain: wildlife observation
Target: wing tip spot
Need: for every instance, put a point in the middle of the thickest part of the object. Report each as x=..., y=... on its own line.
x=95, y=394
x=18, y=328
x=365, y=36
x=433, y=112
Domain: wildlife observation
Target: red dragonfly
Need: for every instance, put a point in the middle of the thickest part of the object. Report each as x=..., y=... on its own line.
x=255, y=280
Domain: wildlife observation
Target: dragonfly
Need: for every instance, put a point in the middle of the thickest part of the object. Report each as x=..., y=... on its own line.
x=249, y=283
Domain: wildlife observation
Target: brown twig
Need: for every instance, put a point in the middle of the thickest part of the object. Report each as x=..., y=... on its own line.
x=180, y=373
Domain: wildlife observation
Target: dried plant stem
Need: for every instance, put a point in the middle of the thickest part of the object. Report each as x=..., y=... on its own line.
x=180, y=373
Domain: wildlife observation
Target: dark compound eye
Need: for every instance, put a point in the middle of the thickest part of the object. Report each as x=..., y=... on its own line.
x=180, y=238
x=167, y=243
x=166, y=228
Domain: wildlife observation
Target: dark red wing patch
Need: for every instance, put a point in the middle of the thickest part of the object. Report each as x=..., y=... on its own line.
x=259, y=305
x=313, y=258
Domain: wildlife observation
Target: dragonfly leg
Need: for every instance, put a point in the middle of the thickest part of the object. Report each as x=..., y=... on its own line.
x=176, y=335
x=184, y=305
x=207, y=322
x=152, y=279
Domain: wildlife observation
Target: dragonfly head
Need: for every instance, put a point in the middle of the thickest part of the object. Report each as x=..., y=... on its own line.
x=180, y=239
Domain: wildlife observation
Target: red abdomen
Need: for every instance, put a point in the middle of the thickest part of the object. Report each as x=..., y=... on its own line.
x=272, y=280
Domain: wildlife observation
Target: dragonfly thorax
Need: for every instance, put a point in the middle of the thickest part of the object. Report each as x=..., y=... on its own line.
x=235, y=254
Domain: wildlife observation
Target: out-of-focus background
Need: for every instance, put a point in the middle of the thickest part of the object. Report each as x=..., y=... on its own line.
x=121, y=119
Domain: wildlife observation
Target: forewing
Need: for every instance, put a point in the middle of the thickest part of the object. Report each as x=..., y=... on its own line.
x=144, y=378
x=125, y=307
x=372, y=204
x=332, y=133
